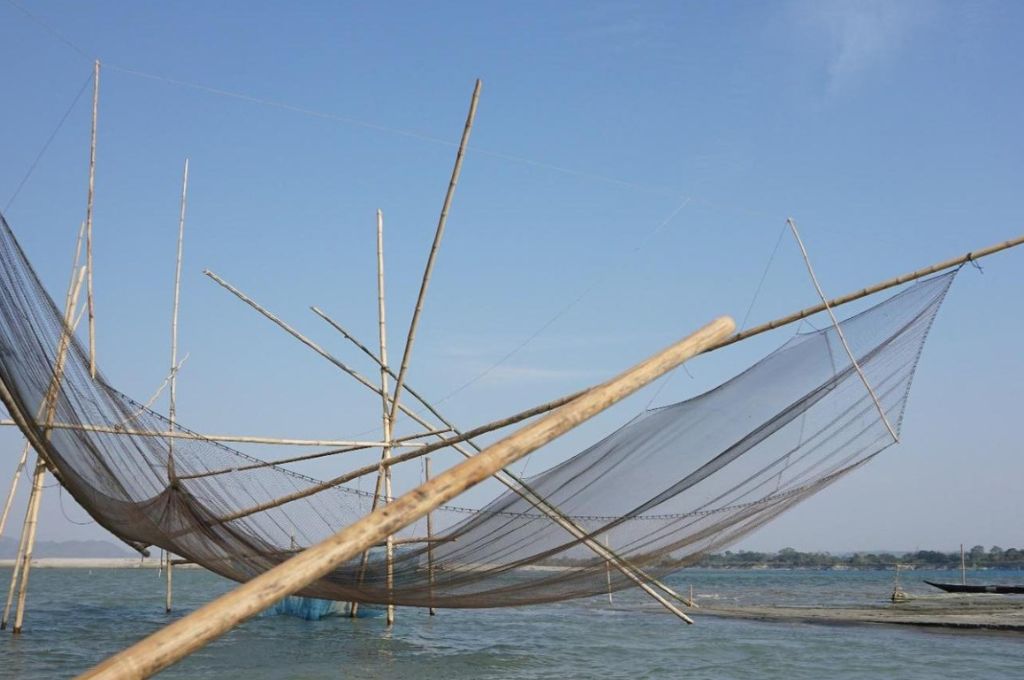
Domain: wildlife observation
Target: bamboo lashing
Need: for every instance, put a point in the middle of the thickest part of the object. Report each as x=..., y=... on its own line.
x=438, y=233
x=192, y=632
x=839, y=330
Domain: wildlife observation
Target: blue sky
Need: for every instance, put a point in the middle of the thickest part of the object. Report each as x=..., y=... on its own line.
x=628, y=177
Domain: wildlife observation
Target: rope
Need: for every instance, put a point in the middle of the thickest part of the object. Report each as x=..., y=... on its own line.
x=49, y=141
x=565, y=309
x=60, y=36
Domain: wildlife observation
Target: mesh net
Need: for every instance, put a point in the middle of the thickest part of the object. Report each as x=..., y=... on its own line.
x=669, y=486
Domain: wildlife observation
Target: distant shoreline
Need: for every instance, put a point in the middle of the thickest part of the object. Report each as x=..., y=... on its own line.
x=96, y=563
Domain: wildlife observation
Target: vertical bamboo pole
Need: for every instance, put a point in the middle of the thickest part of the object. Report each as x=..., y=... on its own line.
x=608, y=568
x=26, y=565
x=387, y=416
x=173, y=384
x=88, y=215
x=963, y=567
x=442, y=220
x=14, y=487
x=23, y=543
x=430, y=542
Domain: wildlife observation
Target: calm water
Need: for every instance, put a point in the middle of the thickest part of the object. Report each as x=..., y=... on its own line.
x=78, y=617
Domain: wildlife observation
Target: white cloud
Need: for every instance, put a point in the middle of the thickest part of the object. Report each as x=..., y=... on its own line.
x=861, y=35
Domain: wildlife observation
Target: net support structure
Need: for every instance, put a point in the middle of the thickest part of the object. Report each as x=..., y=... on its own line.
x=192, y=632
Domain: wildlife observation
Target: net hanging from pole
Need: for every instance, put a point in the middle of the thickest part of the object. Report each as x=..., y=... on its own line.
x=671, y=485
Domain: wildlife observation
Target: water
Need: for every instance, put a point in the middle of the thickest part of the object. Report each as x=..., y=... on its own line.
x=77, y=617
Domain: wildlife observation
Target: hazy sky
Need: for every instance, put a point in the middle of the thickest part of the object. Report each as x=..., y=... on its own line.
x=630, y=172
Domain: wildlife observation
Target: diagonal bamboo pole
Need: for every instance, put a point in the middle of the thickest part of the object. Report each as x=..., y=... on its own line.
x=839, y=330
x=14, y=487
x=50, y=400
x=177, y=640
x=442, y=220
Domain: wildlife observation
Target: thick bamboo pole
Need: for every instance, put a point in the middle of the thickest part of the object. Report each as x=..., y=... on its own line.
x=173, y=395
x=88, y=214
x=839, y=329
x=438, y=233
x=177, y=640
x=14, y=487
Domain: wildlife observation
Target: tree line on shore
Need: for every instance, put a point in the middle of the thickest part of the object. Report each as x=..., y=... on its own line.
x=975, y=558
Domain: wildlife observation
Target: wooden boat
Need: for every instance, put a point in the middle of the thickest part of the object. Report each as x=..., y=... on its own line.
x=964, y=588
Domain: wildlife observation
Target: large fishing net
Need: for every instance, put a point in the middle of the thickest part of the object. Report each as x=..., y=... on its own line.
x=669, y=486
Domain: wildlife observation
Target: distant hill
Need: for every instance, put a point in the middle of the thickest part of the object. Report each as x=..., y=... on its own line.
x=92, y=548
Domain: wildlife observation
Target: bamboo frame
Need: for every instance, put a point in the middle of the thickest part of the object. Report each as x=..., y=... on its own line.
x=438, y=233
x=192, y=632
x=88, y=214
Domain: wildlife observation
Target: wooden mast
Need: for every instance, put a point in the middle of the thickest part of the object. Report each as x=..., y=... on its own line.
x=430, y=543
x=190, y=633
x=173, y=394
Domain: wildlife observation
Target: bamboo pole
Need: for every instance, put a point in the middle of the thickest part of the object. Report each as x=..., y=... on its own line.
x=23, y=562
x=839, y=330
x=871, y=290
x=386, y=415
x=14, y=487
x=173, y=394
x=439, y=232
x=608, y=569
x=88, y=214
x=23, y=542
x=244, y=439
x=177, y=640
x=312, y=456
x=963, y=566
x=430, y=543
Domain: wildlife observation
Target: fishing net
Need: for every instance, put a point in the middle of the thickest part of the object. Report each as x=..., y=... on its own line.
x=669, y=486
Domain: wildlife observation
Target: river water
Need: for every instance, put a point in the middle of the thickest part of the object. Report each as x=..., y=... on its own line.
x=77, y=617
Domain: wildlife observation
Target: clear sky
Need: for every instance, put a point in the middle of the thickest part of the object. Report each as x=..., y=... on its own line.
x=630, y=172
